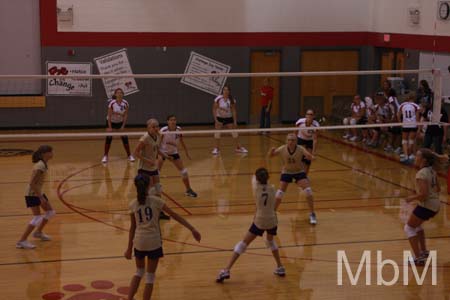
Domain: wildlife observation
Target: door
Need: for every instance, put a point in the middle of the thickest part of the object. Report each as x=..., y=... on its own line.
x=327, y=94
x=264, y=61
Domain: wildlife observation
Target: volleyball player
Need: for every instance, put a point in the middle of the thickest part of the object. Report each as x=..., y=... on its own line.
x=307, y=138
x=265, y=220
x=224, y=114
x=147, y=151
x=427, y=195
x=358, y=117
x=409, y=113
x=116, y=120
x=145, y=235
x=169, y=146
x=294, y=170
x=35, y=198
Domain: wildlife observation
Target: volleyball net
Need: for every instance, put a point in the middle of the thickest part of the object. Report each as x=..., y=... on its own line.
x=73, y=100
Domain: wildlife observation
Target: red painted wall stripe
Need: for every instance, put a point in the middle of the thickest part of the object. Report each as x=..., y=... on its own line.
x=51, y=37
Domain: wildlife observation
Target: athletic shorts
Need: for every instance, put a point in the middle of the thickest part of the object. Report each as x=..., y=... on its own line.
x=256, y=231
x=33, y=201
x=148, y=173
x=362, y=121
x=414, y=129
x=115, y=125
x=395, y=130
x=424, y=213
x=153, y=254
x=175, y=156
x=225, y=121
x=293, y=177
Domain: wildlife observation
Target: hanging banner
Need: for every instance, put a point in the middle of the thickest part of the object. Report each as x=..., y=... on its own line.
x=116, y=63
x=69, y=86
x=201, y=64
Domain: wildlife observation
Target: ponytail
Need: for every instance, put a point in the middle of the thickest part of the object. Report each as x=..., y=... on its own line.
x=141, y=182
x=37, y=155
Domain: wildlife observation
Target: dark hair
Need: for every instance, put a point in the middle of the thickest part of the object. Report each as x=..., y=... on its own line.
x=426, y=86
x=262, y=175
x=170, y=116
x=392, y=93
x=388, y=82
x=230, y=96
x=115, y=91
x=37, y=155
x=141, y=182
x=428, y=156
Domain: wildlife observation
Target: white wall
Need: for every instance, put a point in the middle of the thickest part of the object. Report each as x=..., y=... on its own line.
x=218, y=15
x=393, y=16
x=20, y=45
x=253, y=16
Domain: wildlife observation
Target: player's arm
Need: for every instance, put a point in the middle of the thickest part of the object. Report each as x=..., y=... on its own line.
x=306, y=153
x=233, y=111
x=128, y=252
x=184, y=147
x=314, y=142
x=34, y=183
x=399, y=114
x=274, y=151
x=214, y=111
x=109, y=118
x=197, y=236
x=125, y=118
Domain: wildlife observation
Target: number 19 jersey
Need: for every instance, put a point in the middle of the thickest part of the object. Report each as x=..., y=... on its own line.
x=147, y=236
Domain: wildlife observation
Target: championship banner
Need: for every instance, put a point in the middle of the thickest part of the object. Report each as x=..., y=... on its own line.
x=116, y=63
x=201, y=64
x=69, y=86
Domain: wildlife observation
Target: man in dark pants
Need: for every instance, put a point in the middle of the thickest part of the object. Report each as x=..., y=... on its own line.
x=435, y=134
x=266, y=93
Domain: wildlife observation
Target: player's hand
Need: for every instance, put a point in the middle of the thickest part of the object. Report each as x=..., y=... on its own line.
x=122, y=128
x=127, y=254
x=218, y=124
x=109, y=129
x=197, y=236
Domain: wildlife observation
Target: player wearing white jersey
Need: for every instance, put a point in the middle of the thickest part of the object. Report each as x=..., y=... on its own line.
x=224, y=114
x=307, y=138
x=171, y=137
x=409, y=113
x=265, y=220
x=116, y=120
x=358, y=117
x=145, y=235
x=293, y=169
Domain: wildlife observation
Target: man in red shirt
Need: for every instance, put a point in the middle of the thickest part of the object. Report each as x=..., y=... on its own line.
x=266, y=93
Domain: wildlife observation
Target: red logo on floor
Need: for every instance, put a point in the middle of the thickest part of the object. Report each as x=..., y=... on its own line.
x=100, y=290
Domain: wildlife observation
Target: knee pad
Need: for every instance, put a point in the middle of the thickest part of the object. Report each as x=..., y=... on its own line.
x=404, y=142
x=419, y=228
x=184, y=173
x=109, y=140
x=149, y=278
x=217, y=135
x=272, y=245
x=345, y=121
x=412, y=141
x=140, y=272
x=36, y=220
x=234, y=134
x=352, y=121
x=125, y=140
x=279, y=194
x=410, y=231
x=240, y=247
x=49, y=214
x=308, y=192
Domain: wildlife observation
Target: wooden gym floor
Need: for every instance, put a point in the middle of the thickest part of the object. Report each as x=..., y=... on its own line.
x=357, y=198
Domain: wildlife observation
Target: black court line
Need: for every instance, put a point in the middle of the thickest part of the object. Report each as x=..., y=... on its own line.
x=222, y=250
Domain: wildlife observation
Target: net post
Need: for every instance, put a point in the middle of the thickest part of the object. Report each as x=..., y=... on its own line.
x=437, y=102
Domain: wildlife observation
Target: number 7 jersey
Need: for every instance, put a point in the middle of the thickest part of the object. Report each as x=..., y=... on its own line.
x=265, y=216
x=148, y=235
